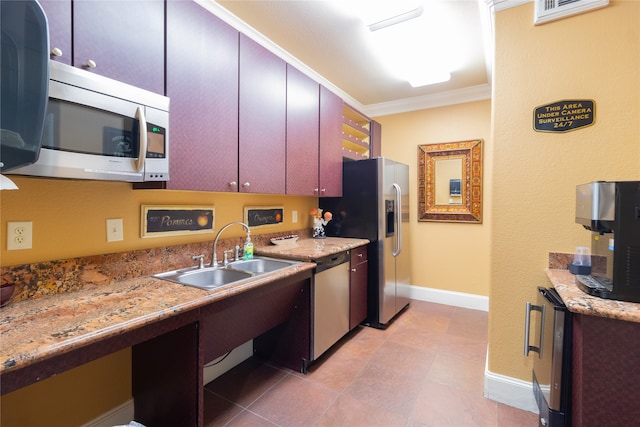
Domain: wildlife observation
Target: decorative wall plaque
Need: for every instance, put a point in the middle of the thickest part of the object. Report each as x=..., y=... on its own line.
x=266, y=215
x=163, y=221
x=564, y=116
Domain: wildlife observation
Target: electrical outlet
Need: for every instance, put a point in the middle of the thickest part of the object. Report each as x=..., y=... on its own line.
x=19, y=235
x=294, y=216
x=114, y=230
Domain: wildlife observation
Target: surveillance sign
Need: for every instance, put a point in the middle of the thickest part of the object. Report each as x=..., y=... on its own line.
x=564, y=116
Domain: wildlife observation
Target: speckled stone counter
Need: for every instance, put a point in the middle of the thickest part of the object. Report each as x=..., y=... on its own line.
x=605, y=346
x=41, y=328
x=577, y=301
x=310, y=249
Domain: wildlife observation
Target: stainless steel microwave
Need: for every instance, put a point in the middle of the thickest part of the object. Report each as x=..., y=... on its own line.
x=101, y=129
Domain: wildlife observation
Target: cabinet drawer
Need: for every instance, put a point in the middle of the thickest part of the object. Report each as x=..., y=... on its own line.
x=358, y=255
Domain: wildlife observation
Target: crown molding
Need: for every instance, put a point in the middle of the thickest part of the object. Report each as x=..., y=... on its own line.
x=440, y=99
x=498, y=5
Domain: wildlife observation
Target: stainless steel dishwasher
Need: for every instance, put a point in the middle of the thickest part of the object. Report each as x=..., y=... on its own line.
x=331, y=301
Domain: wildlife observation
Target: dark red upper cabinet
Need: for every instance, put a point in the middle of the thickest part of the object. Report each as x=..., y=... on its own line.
x=303, y=116
x=59, y=19
x=202, y=83
x=262, y=127
x=124, y=39
x=330, y=177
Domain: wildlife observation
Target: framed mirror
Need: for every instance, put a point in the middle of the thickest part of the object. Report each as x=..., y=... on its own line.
x=450, y=181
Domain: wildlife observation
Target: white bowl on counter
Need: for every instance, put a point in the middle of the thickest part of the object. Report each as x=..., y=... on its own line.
x=285, y=240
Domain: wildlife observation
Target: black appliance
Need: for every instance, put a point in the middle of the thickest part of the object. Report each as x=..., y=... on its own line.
x=552, y=366
x=24, y=81
x=611, y=211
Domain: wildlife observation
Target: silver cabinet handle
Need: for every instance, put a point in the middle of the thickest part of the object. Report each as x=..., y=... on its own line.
x=315, y=191
x=324, y=190
x=527, y=326
x=90, y=64
x=56, y=52
x=142, y=152
x=233, y=184
x=246, y=185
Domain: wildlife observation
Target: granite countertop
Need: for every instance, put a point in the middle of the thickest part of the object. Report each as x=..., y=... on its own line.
x=578, y=301
x=311, y=249
x=37, y=329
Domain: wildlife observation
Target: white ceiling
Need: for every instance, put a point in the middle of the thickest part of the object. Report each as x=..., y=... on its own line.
x=333, y=46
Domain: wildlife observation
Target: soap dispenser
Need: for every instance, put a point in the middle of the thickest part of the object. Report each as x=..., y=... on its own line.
x=248, y=248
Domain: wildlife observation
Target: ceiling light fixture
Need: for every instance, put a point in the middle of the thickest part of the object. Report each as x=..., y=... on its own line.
x=397, y=19
x=429, y=77
x=415, y=40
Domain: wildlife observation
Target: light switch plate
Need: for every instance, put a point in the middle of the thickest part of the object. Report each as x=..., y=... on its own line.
x=19, y=235
x=294, y=216
x=114, y=230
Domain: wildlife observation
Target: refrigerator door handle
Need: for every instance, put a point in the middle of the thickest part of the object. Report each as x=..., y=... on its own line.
x=396, y=217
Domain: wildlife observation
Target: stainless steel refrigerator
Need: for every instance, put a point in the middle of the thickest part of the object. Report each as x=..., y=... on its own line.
x=375, y=206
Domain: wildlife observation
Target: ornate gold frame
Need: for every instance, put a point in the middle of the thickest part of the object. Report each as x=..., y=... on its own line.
x=470, y=210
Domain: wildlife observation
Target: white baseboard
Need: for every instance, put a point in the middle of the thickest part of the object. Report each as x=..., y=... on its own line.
x=120, y=415
x=457, y=299
x=510, y=391
x=236, y=357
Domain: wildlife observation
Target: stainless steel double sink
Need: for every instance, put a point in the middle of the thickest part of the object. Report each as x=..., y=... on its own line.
x=215, y=277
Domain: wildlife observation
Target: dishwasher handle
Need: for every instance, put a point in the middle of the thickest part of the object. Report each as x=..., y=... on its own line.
x=331, y=261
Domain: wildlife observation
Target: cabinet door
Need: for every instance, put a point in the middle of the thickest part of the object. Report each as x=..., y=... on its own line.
x=59, y=19
x=125, y=39
x=262, y=150
x=330, y=144
x=202, y=83
x=358, y=278
x=375, y=139
x=358, y=294
x=303, y=104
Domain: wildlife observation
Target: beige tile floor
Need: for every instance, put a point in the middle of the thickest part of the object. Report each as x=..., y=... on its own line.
x=425, y=369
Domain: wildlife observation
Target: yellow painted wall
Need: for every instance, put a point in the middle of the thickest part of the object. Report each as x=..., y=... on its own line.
x=69, y=217
x=596, y=56
x=447, y=256
x=72, y=398
x=69, y=221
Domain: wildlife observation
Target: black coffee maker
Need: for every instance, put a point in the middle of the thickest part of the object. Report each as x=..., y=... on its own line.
x=611, y=211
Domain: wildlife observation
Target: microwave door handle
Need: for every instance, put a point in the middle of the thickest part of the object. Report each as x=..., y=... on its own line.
x=397, y=219
x=142, y=129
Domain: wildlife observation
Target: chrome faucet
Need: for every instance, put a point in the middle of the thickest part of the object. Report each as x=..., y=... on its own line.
x=214, y=262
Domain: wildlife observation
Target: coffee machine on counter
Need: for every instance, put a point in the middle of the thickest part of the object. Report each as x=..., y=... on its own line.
x=611, y=211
